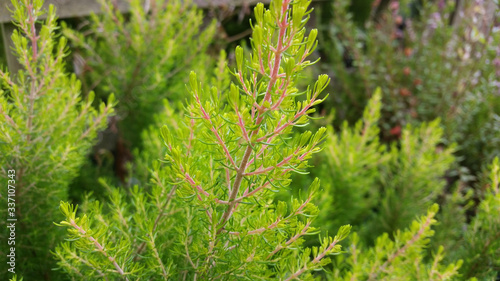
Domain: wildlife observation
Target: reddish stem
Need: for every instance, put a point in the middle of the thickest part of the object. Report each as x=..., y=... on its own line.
x=99, y=247
x=260, y=118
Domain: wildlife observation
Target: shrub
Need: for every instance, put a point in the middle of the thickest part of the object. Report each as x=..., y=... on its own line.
x=210, y=210
x=380, y=188
x=431, y=59
x=224, y=162
x=479, y=241
x=46, y=129
x=141, y=57
x=401, y=259
x=153, y=147
x=351, y=159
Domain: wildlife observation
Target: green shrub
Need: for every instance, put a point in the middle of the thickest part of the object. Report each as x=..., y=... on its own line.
x=479, y=241
x=210, y=209
x=431, y=60
x=224, y=161
x=401, y=259
x=153, y=147
x=142, y=57
x=380, y=188
x=351, y=162
x=46, y=129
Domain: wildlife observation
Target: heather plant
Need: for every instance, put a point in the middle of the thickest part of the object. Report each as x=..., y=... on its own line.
x=210, y=213
x=431, y=59
x=380, y=188
x=414, y=175
x=143, y=56
x=403, y=258
x=385, y=187
x=351, y=159
x=210, y=210
x=153, y=147
x=481, y=239
x=46, y=129
x=471, y=234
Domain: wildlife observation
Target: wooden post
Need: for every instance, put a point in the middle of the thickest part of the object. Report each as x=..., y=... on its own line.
x=12, y=62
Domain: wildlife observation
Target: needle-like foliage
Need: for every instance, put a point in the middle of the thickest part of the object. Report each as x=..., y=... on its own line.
x=211, y=214
x=142, y=57
x=481, y=239
x=380, y=188
x=431, y=59
x=46, y=129
x=401, y=258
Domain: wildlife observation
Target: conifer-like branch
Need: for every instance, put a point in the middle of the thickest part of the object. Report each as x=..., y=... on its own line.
x=418, y=235
x=327, y=248
x=267, y=98
x=226, y=157
x=99, y=247
x=291, y=240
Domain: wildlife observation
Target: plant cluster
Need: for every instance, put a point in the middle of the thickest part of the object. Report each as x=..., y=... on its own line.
x=402, y=258
x=380, y=188
x=217, y=189
x=210, y=213
x=141, y=57
x=377, y=187
x=46, y=129
x=431, y=59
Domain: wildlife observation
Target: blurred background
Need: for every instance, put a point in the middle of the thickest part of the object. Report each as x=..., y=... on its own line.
x=430, y=138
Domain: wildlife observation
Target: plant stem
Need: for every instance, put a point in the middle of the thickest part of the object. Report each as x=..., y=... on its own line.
x=100, y=248
x=248, y=152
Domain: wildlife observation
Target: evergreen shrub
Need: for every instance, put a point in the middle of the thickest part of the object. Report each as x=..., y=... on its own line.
x=46, y=130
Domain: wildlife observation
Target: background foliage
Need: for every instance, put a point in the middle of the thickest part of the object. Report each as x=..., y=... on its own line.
x=46, y=129
x=412, y=123
x=431, y=59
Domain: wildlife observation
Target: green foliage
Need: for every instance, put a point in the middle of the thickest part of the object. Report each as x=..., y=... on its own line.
x=480, y=248
x=352, y=158
x=401, y=258
x=414, y=177
x=153, y=147
x=210, y=212
x=202, y=201
x=142, y=57
x=391, y=186
x=46, y=129
x=432, y=59
x=377, y=188
x=457, y=205
x=15, y=278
